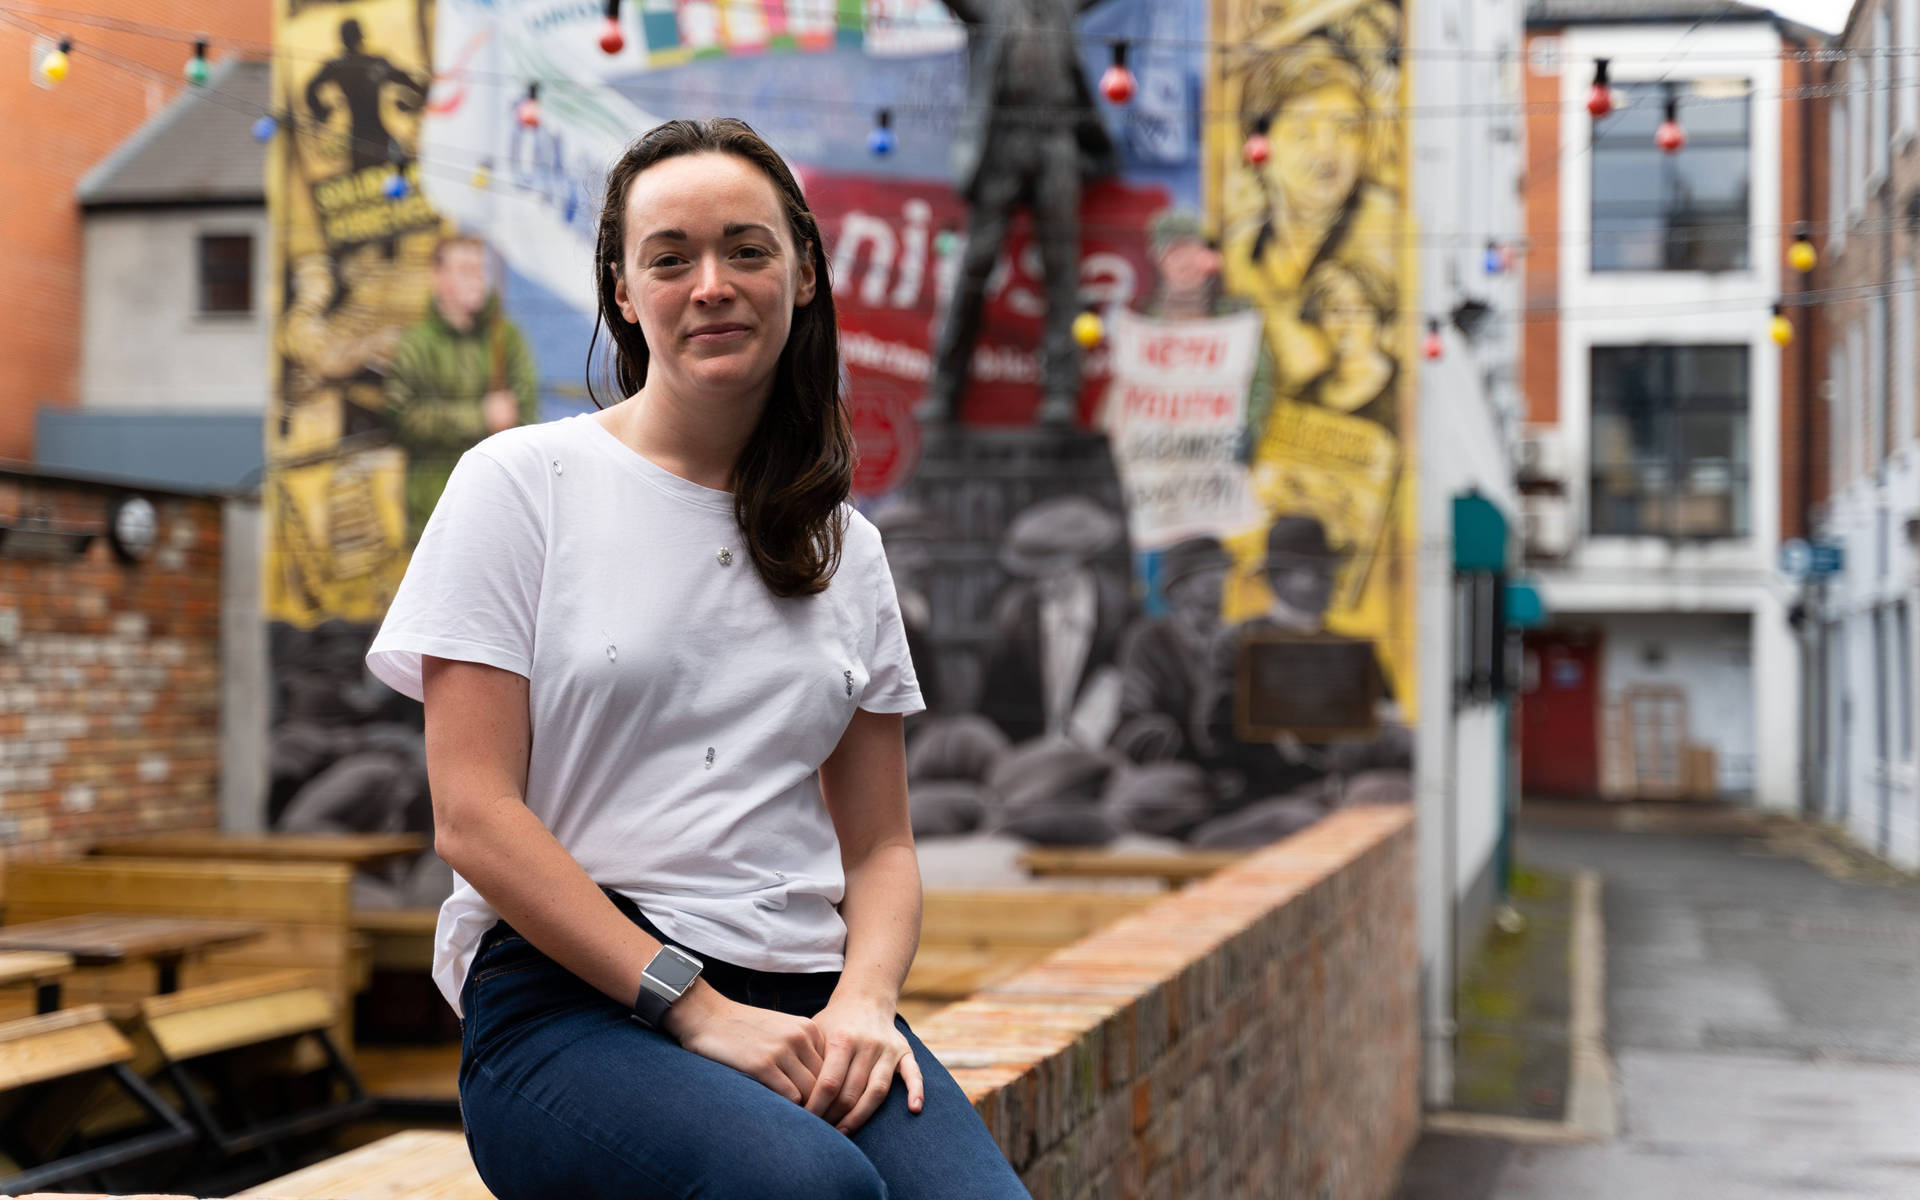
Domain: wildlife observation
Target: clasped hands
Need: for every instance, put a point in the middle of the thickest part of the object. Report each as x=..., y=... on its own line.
x=839, y=1064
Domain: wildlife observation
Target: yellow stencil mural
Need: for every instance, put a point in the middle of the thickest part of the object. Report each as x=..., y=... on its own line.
x=1305, y=181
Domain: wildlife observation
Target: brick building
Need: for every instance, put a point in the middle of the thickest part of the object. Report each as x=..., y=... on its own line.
x=1862, y=721
x=1663, y=462
x=119, y=78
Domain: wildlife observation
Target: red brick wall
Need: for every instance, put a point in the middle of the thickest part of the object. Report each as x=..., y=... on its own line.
x=109, y=676
x=1255, y=1034
x=54, y=137
x=1803, y=197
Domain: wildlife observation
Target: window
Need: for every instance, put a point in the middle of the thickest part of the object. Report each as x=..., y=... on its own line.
x=1906, y=371
x=1907, y=86
x=1672, y=212
x=226, y=273
x=1670, y=445
x=1879, y=97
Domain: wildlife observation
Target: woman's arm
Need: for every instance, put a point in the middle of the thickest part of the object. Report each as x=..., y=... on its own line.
x=478, y=739
x=865, y=783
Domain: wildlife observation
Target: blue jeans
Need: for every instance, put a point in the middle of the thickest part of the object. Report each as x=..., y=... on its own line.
x=564, y=1095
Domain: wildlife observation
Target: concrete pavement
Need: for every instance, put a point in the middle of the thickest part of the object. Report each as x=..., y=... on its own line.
x=1764, y=1018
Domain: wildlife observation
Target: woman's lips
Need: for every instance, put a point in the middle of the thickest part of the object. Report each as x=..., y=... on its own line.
x=712, y=334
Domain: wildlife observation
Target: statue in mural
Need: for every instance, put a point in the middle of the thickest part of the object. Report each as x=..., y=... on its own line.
x=362, y=78
x=1030, y=134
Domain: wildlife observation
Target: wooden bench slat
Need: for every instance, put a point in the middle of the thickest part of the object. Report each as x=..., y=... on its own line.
x=36, y=1049
x=1177, y=867
x=33, y=966
x=417, y=1165
x=1028, y=917
x=226, y=992
x=193, y=1032
x=294, y=892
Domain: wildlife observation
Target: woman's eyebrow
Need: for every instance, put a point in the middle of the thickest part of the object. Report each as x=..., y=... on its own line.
x=733, y=230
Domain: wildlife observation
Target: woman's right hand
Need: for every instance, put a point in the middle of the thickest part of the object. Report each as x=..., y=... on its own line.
x=781, y=1051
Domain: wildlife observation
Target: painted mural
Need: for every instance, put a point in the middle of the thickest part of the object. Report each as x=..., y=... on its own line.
x=1185, y=621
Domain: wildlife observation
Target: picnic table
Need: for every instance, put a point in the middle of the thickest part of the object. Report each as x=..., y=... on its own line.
x=41, y=968
x=109, y=939
x=354, y=849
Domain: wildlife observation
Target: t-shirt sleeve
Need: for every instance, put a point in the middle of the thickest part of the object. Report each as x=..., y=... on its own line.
x=892, y=685
x=472, y=588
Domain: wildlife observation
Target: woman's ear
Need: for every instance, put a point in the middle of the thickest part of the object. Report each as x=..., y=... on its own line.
x=620, y=297
x=803, y=294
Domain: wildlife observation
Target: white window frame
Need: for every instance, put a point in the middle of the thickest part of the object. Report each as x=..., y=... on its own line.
x=1863, y=421
x=1907, y=86
x=1840, y=456
x=1879, y=97
x=1857, y=103
x=1906, y=366
x=1877, y=380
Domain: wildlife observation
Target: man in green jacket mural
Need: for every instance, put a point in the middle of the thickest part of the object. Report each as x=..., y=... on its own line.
x=461, y=373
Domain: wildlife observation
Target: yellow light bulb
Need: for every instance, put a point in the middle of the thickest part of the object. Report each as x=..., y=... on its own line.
x=482, y=178
x=54, y=66
x=1780, y=329
x=1801, y=256
x=1088, y=330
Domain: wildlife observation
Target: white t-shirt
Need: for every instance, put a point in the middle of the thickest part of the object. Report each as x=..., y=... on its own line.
x=680, y=710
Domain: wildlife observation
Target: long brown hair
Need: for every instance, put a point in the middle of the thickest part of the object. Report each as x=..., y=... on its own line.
x=796, y=470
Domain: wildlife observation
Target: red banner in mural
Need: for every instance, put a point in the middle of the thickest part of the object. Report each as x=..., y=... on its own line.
x=894, y=244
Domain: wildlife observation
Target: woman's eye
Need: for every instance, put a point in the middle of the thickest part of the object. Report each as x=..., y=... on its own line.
x=751, y=251
x=666, y=260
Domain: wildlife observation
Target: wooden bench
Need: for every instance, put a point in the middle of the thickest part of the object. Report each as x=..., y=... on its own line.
x=40, y=969
x=398, y=939
x=51, y=1066
x=305, y=908
x=418, y=1165
x=1174, y=869
x=281, y=1022
x=970, y=939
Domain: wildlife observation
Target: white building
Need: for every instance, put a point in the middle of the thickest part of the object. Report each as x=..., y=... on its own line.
x=1653, y=460
x=1862, y=718
x=1466, y=199
x=174, y=298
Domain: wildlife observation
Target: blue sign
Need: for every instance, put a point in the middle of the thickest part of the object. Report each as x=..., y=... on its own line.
x=1818, y=559
x=1829, y=558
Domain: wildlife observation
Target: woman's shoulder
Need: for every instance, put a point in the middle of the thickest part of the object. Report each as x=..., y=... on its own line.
x=525, y=451
x=861, y=542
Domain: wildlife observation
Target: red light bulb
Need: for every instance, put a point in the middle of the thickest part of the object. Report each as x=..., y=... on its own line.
x=1670, y=137
x=612, y=41
x=1432, y=346
x=1257, y=148
x=1600, y=100
x=1117, y=84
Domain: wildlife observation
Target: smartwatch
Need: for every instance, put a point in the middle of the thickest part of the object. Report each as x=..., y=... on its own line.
x=665, y=980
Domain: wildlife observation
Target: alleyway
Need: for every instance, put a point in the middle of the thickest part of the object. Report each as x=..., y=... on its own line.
x=1764, y=1019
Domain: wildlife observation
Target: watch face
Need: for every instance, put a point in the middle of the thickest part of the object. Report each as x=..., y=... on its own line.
x=674, y=970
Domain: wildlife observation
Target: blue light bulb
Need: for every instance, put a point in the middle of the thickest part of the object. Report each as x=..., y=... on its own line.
x=265, y=128
x=396, y=186
x=880, y=141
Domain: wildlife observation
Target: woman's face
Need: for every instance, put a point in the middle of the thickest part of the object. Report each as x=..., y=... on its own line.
x=1346, y=315
x=1318, y=141
x=711, y=274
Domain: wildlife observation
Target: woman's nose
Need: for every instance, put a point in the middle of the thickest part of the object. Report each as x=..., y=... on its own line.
x=710, y=282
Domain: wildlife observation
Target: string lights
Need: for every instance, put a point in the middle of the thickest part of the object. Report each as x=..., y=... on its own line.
x=1600, y=95
x=1670, y=137
x=53, y=68
x=612, y=41
x=197, y=71
x=1088, y=328
x=1257, y=147
x=265, y=126
x=1117, y=83
x=527, y=111
x=880, y=141
x=1801, y=256
x=1433, y=346
x=1780, y=329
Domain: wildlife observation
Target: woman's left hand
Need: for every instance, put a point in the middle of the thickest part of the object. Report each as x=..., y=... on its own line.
x=864, y=1052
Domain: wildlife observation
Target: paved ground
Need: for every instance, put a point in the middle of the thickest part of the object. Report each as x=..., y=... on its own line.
x=1764, y=1018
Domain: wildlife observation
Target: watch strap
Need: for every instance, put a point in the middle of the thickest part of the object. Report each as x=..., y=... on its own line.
x=651, y=1007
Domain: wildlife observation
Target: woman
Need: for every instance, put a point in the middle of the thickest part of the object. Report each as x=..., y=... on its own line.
x=1317, y=203
x=664, y=675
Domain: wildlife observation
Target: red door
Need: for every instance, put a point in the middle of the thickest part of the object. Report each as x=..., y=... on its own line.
x=1560, y=714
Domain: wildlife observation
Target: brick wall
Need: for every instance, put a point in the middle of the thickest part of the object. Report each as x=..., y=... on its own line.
x=1255, y=1034
x=109, y=676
